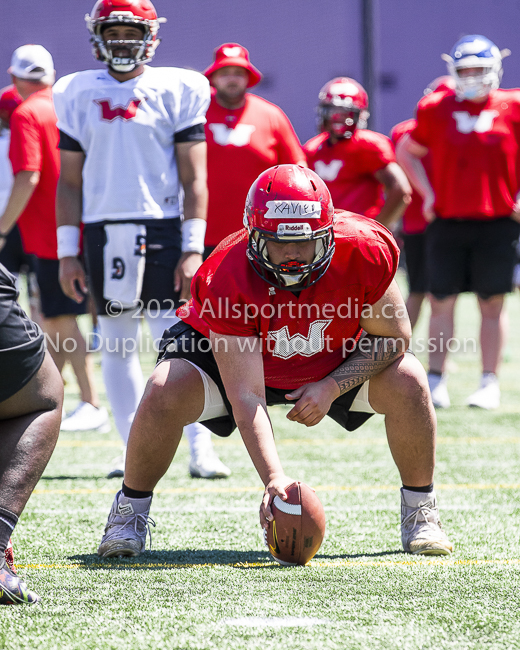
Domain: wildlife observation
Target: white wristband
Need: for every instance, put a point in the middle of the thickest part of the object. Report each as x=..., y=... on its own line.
x=193, y=231
x=68, y=241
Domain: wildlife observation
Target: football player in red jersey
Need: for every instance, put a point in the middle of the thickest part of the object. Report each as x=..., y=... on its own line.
x=300, y=308
x=357, y=165
x=472, y=139
x=245, y=135
x=414, y=224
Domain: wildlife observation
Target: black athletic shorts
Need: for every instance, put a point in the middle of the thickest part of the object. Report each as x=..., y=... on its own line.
x=54, y=302
x=163, y=251
x=471, y=255
x=183, y=342
x=415, y=256
x=22, y=343
x=13, y=256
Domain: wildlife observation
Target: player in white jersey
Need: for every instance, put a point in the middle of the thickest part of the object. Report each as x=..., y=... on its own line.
x=133, y=157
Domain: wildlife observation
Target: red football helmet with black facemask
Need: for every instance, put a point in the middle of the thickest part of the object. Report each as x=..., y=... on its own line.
x=289, y=203
x=132, y=13
x=343, y=106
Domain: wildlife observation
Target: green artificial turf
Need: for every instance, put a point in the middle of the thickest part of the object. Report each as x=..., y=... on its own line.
x=208, y=582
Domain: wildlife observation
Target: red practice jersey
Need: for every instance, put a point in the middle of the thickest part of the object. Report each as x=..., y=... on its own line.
x=304, y=336
x=348, y=168
x=475, y=153
x=242, y=143
x=34, y=147
x=413, y=221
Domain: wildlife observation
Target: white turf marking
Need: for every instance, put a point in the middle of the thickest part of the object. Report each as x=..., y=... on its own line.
x=273, y=621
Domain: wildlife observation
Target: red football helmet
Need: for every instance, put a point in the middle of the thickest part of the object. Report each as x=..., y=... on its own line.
x=343, y=105
x=289, y=203
x=134, y=13
x=9, y=100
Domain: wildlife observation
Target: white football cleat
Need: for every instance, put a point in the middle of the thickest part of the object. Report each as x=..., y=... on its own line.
x=86, y=417
x=117, y=467
x=439, y=390
x=421, y=531
x=208, y=465
x=488, y=395
x=127, y=527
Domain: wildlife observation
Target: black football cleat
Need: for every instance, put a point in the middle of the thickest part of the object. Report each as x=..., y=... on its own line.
x=13, y=590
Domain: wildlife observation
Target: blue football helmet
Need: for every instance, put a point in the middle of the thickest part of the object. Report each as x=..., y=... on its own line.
x=475, y=51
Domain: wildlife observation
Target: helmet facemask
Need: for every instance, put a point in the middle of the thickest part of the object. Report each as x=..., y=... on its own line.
x=140, y=51
x=340, y=122
x=292, y=275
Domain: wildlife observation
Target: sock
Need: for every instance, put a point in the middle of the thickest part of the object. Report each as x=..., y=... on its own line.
x=199, y=439
x=121, y=368
x=8, y=521
x=435, y=372
x=426, y=488
x=135, y=494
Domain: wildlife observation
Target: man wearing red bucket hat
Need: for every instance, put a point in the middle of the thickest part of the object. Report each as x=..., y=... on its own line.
x=245, y=135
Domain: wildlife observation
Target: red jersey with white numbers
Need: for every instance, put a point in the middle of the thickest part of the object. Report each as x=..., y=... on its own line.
x=348, y=169
x=242, y=143
x=475, y=153
x=413, y=221
x=304, y=336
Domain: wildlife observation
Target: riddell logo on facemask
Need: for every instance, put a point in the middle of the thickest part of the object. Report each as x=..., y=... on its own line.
x=110, y=113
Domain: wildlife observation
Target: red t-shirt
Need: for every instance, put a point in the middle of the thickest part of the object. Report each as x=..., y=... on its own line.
x=242, y=143
x=475, y=153
x=348, y=169
x=34, y=147
x=303, y=338
x=413, y=221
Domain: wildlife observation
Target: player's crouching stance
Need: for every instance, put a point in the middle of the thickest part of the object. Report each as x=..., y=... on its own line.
x=278, y=306
x=31, y=400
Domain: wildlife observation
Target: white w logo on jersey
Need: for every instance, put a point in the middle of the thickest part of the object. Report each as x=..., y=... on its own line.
x=238, y=137
x=481, y=123
x=328, y=172
x=287, y=346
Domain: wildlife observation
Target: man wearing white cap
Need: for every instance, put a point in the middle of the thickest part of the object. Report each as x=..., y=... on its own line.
x=35, y=161
x=245, y=134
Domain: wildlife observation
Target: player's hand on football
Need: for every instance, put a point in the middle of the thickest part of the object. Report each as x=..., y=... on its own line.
x=275, y=488
x=72, y=278
x=186, y=268
x=313, y=401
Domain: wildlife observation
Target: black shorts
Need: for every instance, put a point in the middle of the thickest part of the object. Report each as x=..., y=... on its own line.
x=163, y=251
x=183, y=342
x=13, y=256
x=415, y=256
x=471, y=255
x=54, y=302
x=22, y=343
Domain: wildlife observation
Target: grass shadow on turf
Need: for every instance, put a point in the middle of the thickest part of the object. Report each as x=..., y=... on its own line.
x=161, y=560
x=72, y=478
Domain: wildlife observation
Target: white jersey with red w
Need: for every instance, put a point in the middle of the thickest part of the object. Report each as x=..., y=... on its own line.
x=127, y=131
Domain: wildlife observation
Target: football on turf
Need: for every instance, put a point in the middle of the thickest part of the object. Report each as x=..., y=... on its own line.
x=297, y=530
